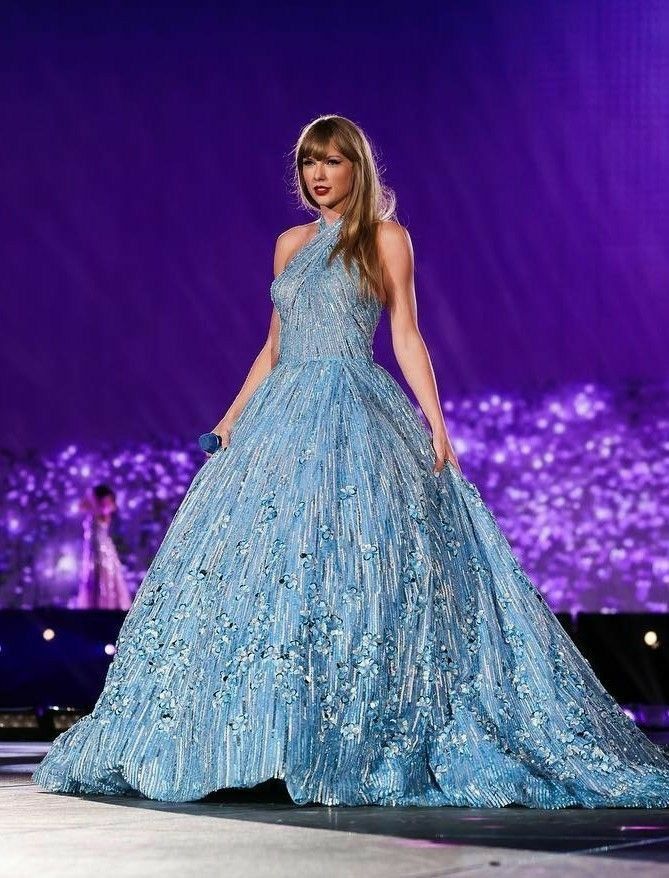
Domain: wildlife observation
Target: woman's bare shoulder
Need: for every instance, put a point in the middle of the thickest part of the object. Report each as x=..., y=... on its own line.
x=393, y=239
x=298, y=233
x=391, y=229
x=290, y=241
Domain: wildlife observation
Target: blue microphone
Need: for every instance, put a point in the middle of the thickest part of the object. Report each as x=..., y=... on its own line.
x=210, y=442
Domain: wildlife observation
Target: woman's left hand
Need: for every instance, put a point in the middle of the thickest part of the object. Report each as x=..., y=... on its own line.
x=443, y=451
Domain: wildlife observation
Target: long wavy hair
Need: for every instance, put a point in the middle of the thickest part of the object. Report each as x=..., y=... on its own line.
x=370, y=201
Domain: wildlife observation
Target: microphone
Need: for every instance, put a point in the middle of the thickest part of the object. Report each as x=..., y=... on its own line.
x=210, y=442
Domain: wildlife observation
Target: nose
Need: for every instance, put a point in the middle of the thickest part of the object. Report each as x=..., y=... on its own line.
x=318, y=173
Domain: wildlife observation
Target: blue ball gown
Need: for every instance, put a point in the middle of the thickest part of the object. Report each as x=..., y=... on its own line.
x=326, y=610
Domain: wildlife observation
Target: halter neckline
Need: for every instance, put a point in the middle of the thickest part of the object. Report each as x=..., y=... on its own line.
x=324, y=225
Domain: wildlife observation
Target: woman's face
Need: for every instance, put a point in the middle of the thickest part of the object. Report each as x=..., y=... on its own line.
x=329, y=179
x=106, y=505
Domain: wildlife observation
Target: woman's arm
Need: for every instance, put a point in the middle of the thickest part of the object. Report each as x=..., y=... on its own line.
x=263, y=363
x=260, y=369
x=396, y=253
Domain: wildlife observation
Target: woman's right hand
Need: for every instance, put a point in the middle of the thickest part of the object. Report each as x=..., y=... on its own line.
x=222, y=429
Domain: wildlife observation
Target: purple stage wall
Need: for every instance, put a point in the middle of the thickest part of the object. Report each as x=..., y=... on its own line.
x=144, y=170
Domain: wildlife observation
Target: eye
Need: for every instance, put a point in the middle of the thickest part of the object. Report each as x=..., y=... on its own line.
x=329, y=161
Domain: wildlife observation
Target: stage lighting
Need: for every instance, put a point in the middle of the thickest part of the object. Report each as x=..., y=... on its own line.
x=628, y=652
x=48, y=634
x=110, y=649
x=14, y=721
x=61, y=718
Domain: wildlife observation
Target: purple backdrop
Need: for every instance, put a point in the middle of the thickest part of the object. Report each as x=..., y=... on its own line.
x=144, y=170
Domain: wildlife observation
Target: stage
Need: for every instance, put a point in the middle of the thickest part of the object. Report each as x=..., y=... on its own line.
x=262, y=833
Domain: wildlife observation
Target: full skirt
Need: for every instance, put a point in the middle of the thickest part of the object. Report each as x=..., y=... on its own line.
x=326, y=610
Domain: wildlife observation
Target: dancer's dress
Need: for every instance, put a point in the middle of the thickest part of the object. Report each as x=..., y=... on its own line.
x=102, y=583
x=326, y=610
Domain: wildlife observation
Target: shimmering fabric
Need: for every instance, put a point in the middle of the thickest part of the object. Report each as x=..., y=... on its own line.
x=326, y=610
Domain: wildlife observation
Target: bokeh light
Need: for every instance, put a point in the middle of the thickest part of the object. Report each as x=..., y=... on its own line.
x=651, y=639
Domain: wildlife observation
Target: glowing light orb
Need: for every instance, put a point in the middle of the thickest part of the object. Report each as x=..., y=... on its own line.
x=651, y=639
x=67, y=563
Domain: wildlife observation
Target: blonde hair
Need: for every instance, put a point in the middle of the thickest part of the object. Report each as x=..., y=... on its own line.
x=370, y=201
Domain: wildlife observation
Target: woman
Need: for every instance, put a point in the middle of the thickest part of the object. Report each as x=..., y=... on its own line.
x=102, y=583
x=333, y=604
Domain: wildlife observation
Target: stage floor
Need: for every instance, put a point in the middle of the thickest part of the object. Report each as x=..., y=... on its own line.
x=263, y=834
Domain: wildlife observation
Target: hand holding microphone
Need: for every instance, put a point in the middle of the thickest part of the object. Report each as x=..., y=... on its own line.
x=210, y=443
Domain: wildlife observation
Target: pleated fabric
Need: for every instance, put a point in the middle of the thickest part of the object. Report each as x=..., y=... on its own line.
x=326, y=610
